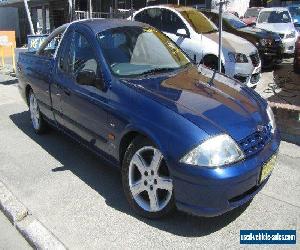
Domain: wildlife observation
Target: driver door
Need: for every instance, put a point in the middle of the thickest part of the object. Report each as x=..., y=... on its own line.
x=83, y=106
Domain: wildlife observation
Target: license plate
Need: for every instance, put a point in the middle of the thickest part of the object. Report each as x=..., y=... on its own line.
x=268, y=168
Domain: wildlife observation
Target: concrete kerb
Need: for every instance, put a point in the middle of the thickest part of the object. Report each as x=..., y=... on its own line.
x=31, y=229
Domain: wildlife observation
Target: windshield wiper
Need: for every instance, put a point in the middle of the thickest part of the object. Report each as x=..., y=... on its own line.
x=157, y=70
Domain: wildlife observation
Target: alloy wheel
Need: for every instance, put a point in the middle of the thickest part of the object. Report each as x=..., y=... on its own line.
x=149, y=180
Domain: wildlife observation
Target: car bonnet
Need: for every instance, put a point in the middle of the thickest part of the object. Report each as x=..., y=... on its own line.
x=284, y=28
x=213, y=102
x=233, y=43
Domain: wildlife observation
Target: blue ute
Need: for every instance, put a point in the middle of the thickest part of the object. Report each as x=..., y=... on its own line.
x=198, y=141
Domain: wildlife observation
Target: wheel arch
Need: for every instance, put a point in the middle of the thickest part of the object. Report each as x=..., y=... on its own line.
x=130, y=134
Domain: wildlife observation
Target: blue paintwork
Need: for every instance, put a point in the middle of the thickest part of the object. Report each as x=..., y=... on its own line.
x=177, y=111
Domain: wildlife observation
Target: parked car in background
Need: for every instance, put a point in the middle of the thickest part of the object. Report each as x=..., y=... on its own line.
x=268, y=43
x=251, y=15
x=203, y=143
x=199, y=38
x=279, y=20
x=236, y=14
x=297, y=56
x=295, y=13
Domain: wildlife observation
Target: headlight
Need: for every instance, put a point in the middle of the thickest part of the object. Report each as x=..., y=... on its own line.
x=215, y=152
x=271, y=119
x=237, y=57
x=266, y=42
x=291, y=35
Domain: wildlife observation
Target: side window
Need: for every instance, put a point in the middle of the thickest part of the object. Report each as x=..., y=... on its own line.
x=171, y=22
x=263, y=17
x=81, y=56
x=48, y=49
x=63, y=54
x=142, y=17
x=151, y=16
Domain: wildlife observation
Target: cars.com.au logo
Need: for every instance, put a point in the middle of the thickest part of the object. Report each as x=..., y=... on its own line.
x=268, y=237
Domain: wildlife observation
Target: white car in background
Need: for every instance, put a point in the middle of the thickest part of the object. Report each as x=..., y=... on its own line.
x=279, y=20
x=198, y=37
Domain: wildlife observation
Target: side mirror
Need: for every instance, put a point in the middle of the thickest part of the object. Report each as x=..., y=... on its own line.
x=181, y=33
x=89, y=78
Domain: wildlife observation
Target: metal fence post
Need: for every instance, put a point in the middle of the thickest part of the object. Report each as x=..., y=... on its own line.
x=29, y=17
x=90, y=9
x=221, y=3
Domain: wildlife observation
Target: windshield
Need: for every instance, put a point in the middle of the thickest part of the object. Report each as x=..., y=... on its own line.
x=274, y=17
x=234, y=21
x=199, y=22
x=132, y=51
x=295, y=11
x=252, y=13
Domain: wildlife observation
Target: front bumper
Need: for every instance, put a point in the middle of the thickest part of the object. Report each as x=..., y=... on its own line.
x=211, y=192
x=271, y=55
x=244, y=72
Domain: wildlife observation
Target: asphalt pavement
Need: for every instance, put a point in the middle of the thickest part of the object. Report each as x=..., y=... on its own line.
x=79, y=198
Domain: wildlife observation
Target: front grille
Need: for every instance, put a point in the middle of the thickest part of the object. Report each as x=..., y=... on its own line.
x=256, y=141
x=255, y=59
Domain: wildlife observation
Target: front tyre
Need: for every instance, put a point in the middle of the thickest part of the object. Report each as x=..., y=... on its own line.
x=38, y=123
x=146, y=180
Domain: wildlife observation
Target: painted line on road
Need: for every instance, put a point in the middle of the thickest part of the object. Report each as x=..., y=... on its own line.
x=31, y=229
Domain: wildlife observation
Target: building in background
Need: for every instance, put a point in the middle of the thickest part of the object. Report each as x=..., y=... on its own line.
x=9, y=20
x=237, y=6
x=46, y=15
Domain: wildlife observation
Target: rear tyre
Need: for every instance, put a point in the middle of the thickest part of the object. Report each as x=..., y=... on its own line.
x=38, y=123
x=147, y=183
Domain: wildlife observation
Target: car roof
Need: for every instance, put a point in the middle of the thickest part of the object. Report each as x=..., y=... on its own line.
x=176, y=7
x=100, y=24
